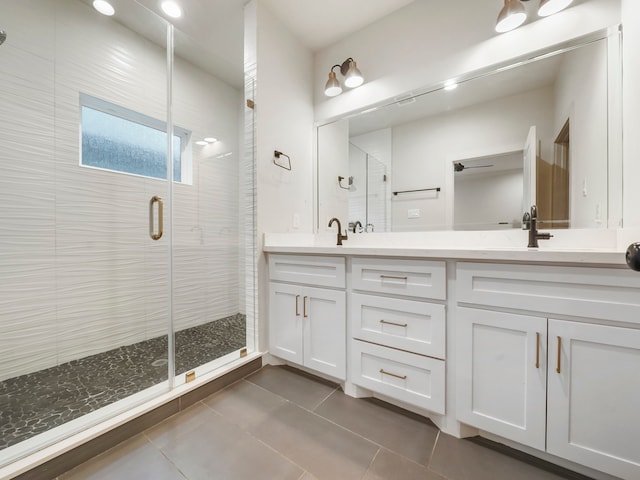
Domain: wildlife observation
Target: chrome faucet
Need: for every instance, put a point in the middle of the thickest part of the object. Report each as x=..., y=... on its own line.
x=357, y=224
x=340, y=236
x=530, y=220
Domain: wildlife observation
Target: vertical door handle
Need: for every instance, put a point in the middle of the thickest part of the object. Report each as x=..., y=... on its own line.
x=559, y=354
x=152, y=233
x=304, y=307
x=537, y=349
x=297, y=309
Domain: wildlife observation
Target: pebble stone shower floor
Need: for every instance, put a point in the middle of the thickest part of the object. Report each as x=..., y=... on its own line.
x=34, y=403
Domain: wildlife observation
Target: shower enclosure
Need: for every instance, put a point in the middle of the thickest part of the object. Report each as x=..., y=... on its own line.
x=126, y=248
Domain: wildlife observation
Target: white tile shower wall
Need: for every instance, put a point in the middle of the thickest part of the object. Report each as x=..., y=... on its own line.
x=78, y=272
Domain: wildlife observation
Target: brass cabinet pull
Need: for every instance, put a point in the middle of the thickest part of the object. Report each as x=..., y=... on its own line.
x=537, y=349
x=401, y=377
x=382, y=277
x=297, y=307
x=304, y=307
x=393, y=323
x=559, y=354
x=152, y=233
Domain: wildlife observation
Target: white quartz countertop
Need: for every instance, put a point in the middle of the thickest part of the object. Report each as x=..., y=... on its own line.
x=592, y=247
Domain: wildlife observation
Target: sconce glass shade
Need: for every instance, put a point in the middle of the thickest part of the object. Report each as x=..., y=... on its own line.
x=332, y=87
x=353, y=78
x=104, y=7
x=512, y=15
x=549, y=7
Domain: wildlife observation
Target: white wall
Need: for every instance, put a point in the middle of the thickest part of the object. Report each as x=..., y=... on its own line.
x=484, y=201
x=579, y=96
x=78, y=272
x=631, y=112
x=424, y=151
x=284, y=122
x=420, y=45
x=333, y=144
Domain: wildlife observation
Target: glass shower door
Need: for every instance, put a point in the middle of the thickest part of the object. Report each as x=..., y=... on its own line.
x=84, y=303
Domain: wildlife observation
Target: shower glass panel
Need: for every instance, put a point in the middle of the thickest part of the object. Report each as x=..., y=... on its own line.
x=209, y=251
x=84, y=303
x=376, y=194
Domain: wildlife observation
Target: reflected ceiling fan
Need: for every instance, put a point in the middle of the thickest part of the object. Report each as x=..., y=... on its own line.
x=458, y=166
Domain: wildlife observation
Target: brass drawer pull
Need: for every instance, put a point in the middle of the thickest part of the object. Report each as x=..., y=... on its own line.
x=401, y=377
x=395, y=277
x=537, y=349
x=297, y=306
x=559, y=354
x=393, y=323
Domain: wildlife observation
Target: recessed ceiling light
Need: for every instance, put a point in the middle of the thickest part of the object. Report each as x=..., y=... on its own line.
x=202, y=143
x=104, y=7
x=210, y=139
x=172, y=9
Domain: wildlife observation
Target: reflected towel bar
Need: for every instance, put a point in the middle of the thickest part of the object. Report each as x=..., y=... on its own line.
x=437, y=189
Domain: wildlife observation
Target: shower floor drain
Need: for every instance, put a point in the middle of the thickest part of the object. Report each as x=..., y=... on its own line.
x=161, y=362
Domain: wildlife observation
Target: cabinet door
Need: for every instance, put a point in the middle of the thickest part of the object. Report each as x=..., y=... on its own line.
x=501, y=374
x=593, y=416
x=285, y=321
x=325, y=331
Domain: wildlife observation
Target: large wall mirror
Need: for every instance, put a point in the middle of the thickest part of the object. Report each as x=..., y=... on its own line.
x=476, y=154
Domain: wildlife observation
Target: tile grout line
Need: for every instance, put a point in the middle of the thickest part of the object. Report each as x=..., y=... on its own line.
x=326, y=398
x=342, y=427
x=371, y=462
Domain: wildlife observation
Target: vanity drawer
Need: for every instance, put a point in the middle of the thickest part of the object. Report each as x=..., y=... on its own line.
x=308, y=269
x=417, y=327
x=414, y=278
x=407, y=377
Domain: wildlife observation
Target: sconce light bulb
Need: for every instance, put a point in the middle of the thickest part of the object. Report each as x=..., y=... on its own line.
x=104, y=7
x=172, y=9
x=512, y=15
x=332, y=87
x=549, y=7
x=353, y=78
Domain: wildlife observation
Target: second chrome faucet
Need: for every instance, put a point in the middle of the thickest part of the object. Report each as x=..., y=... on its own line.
x=341, y=237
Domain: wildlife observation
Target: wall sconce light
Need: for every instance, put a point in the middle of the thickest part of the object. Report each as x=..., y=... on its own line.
x=352, y=78
x=549, y=7
x=513, y=14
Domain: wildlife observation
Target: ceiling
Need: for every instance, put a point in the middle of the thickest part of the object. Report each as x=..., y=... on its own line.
x=210, y=33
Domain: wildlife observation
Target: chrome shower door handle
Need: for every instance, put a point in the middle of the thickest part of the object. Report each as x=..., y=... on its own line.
x=155, y=236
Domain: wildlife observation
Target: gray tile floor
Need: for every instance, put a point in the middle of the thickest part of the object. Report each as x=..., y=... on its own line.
x=281, y=424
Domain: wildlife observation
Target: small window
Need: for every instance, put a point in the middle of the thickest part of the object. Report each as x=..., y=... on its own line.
x=121, y=140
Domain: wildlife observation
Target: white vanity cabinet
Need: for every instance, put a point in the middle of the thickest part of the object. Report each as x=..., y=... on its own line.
x=307, y=312
x=569, y=386
x=502, y=375
x=398, y=336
